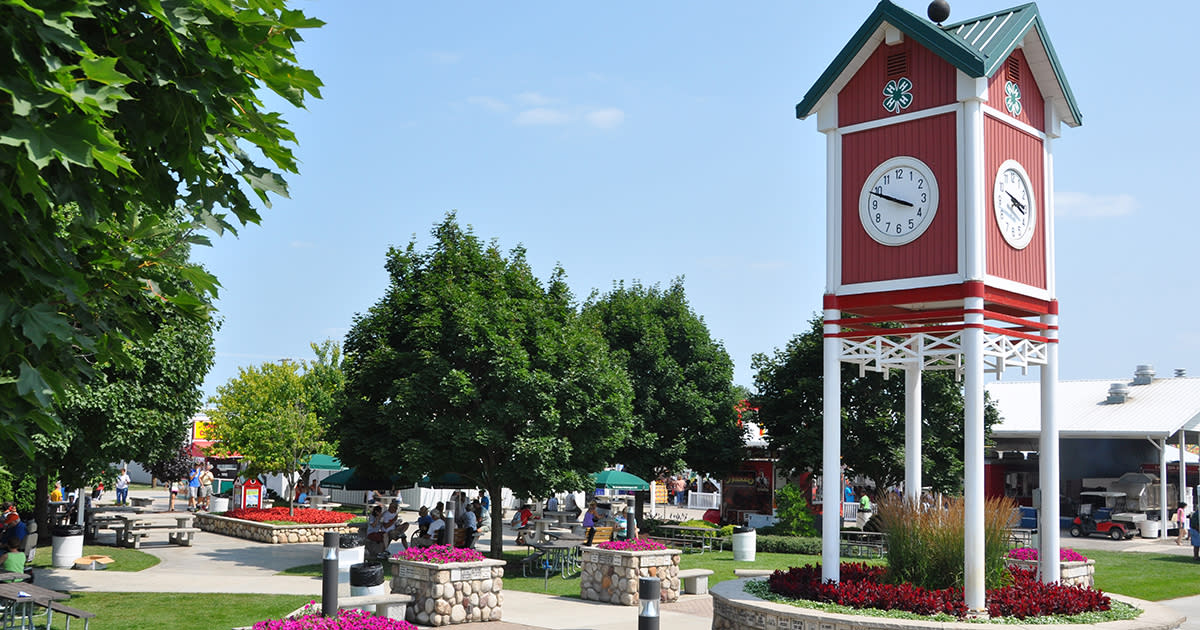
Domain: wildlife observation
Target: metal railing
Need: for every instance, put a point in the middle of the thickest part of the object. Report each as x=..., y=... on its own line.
x=704, y=500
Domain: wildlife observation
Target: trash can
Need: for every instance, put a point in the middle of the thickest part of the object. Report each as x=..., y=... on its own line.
x=366, y=578
x=1148, y=529
x=218, y=504
x=67, y=546
x=350, y=552
x=745, y=541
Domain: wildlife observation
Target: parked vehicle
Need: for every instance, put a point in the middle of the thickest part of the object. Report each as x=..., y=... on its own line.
x=1088, y=525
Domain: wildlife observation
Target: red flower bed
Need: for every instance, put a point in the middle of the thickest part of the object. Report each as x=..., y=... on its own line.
x=860, y=587
x=308, y=516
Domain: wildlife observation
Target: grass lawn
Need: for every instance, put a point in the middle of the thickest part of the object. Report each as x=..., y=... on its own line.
x=306, y=570
x=1149, y=576
x=123, y=559
x=179, y=611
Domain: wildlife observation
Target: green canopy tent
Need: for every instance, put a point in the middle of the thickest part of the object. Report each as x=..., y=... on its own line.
x=619, y=480
x=324, y=462
x=348, y=480
x=448, y=480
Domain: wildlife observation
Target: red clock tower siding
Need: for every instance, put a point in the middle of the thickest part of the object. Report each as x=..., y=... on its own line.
x=933, y=253
x=1033, y=105
x=1004, y=142
x=933, y=79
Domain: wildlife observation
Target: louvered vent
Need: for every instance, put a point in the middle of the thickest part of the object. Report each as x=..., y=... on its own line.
x=897, y=64
x=1014, y=70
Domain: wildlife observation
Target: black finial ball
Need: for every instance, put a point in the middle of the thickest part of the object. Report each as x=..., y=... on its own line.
x=939, y=11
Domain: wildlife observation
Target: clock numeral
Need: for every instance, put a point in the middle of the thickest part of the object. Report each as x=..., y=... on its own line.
x=910, y=224
x=898, y=229
x=874, y=204
x=919, y=211
x=877, y=217
x=924, y=197
x=920, y=184
x=887, y=226
x=899, y=173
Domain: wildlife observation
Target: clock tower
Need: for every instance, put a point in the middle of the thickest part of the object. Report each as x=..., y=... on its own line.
x=940, y=229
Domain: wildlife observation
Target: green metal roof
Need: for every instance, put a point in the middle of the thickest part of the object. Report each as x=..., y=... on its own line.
x=977, y=46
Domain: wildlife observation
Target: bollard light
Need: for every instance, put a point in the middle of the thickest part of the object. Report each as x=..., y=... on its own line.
x=329, y=574
x=649, y=592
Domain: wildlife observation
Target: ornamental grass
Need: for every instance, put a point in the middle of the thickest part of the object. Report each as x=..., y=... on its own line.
x=439, y=554
x=926, y=545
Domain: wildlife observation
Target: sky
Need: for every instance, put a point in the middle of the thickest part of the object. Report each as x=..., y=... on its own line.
x=648, y=141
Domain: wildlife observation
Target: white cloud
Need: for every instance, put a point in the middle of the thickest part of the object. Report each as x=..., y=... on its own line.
x=606, y=118
x=543, y=116
x=488, y=102
x=534, y=99
x=1077, y=204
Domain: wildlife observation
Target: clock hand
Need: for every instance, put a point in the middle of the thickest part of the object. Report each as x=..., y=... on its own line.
x=891, y=198
x=1020, y=206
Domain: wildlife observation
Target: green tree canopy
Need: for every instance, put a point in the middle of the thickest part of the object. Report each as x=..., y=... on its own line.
x=683, y=403
x=790, y=398
x=274, y=415
x=469, y=364
x=112, y=115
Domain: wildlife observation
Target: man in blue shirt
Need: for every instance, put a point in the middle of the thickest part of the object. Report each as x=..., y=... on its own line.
x=193, y=487
x=14, y=527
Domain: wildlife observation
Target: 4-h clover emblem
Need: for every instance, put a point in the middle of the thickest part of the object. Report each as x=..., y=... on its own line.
x=897, y=95
x=1012, y=98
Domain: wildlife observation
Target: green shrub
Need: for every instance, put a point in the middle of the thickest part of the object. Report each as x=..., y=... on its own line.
x=698, y=523
x=804, y=545
x=795, y=519
x=925, y=546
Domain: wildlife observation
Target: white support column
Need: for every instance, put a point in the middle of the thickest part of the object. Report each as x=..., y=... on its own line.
x=831, y=452
x=1162, y=487
x=1182, y=467
x=973, y=499
x=1048, y=472
x=912, y=432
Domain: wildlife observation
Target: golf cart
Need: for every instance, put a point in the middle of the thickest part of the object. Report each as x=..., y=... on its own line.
x=1101, y=522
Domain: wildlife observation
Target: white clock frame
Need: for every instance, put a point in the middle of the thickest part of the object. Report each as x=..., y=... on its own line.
x=930, y=206
x=1031, y=216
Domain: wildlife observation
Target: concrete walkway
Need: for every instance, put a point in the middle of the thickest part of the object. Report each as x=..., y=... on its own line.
x=220, y=564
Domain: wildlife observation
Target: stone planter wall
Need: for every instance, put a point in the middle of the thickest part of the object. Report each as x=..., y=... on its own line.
x=735, y=609
x=1070, y=573
x=456, y=592
x=612, y=576
x=262, y=532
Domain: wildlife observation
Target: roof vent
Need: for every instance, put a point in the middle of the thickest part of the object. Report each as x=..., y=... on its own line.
x=1144, y=375
x=897, y=64
x=1117, y=393
x=1180, y=372
x=1014, y=69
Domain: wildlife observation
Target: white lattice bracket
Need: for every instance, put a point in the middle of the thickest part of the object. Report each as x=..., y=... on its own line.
x=939, y=351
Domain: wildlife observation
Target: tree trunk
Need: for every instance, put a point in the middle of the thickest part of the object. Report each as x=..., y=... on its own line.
x=495, y=492
x=41, y=508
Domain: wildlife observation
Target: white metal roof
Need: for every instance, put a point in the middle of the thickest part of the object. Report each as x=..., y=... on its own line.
x=1156, y=410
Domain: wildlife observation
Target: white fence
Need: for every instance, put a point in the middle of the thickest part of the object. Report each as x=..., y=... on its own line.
x=704, y=500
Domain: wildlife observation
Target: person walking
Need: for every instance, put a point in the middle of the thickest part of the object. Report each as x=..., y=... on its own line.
x=1179, y=521
x=194, y=488
x=123, y=487
x=206, y=484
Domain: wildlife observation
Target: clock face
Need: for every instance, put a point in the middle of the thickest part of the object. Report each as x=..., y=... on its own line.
x=1014, y=203
x=898, y=201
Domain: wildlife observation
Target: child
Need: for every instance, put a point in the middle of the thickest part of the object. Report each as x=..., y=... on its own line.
x=14, y=560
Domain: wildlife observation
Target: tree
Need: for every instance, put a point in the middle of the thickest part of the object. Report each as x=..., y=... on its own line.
x=172, y=466
x=273, y=414
x=112, y=116
x=790, y=397
x=469, y=364
x=683, y=404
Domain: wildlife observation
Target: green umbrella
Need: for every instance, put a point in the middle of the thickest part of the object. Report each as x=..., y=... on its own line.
x=324, y=462
x=619, y=480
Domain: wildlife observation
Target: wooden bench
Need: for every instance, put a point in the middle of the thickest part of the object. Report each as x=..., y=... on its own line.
x=390, y=605
x=695, y=581
x=70, y=613
x=602, y=534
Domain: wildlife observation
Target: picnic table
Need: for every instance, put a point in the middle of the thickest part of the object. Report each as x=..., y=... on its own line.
x=131, y=532
x=21, y=600
x=562, y=556
x=693, y=536
x=559, y=516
